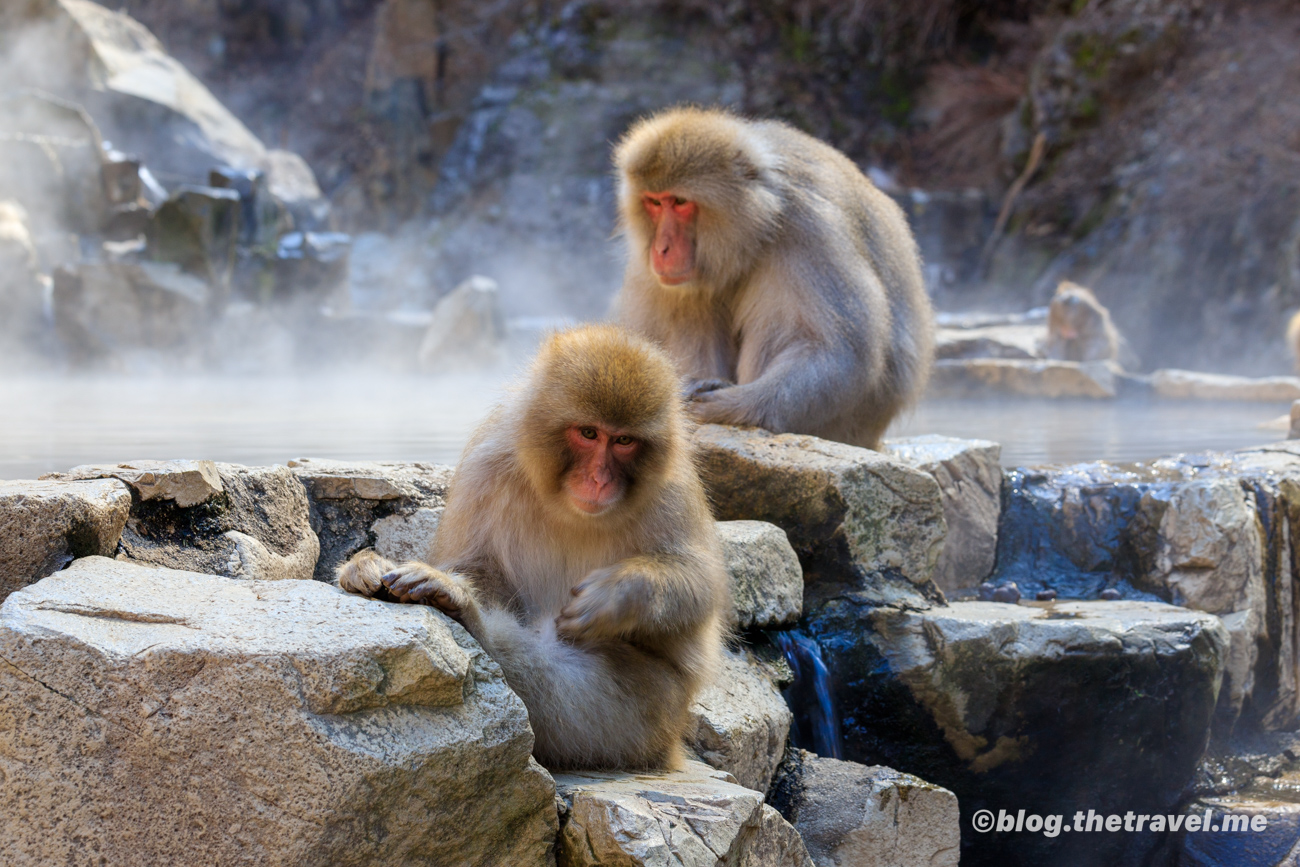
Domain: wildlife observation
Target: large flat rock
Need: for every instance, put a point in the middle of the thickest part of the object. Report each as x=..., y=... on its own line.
x=986, y=377
x=152, y=716
x=45, y=524
x=850, y=513
x=389, y=506
x=695, y=817
x=1194, y=385
x=1105, y=704
x=852, y=815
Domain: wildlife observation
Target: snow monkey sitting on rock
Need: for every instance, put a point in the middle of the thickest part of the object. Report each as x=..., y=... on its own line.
x=577, y=547
x=1079, y=328
x=785, y=286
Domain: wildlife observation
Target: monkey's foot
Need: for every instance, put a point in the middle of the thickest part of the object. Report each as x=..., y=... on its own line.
x=697, y=387
x=418, y=582
x=363, y=573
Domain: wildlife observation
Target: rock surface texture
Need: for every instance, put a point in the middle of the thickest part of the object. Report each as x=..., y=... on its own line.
x=851, y=815
x=152, y=716
x=219, y=519
x=1054, y=706
x=740, y=723
x=392, y=507
x=982, y=377
x=695, y=817
x=44, y=525
x=852, y=514
x=766, y=578
x=969, y=474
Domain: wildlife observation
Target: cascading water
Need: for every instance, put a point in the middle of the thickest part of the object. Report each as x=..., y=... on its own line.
x=816, y=723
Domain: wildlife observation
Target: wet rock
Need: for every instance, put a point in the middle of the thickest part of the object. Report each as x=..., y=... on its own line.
x=739, y=724
x=198, y=228
x=350, y=499
x=984, y=377
x=1110, y=594
x=986, y=591
x=1008, y=594
x=853, y=515
x=1191, y=532
x=312, y=266
x=1107, y=704
x=468, y=328
x=766, y=578
x=696, y=817
x=220, y=519
x=1190, y=384
x=1293, y=428
x=990, y=341
x=261, y=219
x=292, y=184
x=969, y=473
x=1045, y=595
x=1243, y=831
x=45, y=525
x=124, y=685
x=851, y=815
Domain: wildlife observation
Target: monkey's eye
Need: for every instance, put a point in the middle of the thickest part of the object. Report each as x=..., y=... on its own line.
x=624, y=440
x=588, y=433
x=656, y=202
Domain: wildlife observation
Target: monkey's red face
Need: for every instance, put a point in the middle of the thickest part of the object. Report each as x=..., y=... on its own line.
x=672, y=252
x=602, y=465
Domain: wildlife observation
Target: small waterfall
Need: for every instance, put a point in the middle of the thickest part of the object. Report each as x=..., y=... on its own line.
x=815, y=720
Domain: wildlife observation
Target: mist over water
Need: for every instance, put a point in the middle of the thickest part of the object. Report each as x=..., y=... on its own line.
x=54, y=423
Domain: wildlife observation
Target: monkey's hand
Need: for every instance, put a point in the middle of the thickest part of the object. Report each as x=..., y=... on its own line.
x=697, y=387
x=421, y=583
x=361, y=575
x=607, y=604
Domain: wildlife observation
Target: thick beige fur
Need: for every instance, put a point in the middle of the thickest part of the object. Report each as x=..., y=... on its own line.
x=808, y=307
x=606, y=626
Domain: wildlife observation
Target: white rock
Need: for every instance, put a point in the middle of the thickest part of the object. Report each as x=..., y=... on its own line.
x=766, y=578
x=407, y=537
x=150, y=716
x=852, y=815
x=468, y=327
x=740, y=723
x=187, y=483
x=1191, y=384
x=695, y=817
x=45, y=524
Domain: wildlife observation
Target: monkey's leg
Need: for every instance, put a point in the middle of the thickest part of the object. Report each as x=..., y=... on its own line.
x=601, y=705
x=696, y=387
x=361, y=574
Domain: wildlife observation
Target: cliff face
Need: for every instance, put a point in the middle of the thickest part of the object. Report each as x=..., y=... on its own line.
x=1168, y=130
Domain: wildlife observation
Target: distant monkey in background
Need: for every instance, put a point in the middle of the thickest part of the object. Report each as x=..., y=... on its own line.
x=785, y=286
x=577, y=547
x=1079, y=327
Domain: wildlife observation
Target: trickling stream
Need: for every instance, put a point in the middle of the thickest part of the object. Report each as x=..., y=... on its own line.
x=816, y=724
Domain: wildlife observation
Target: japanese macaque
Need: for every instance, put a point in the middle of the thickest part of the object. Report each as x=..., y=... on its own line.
x=1079, y=327
x=785, y=286
x=577, y=547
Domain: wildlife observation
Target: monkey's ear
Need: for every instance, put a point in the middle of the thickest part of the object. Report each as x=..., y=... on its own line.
x=743, y=166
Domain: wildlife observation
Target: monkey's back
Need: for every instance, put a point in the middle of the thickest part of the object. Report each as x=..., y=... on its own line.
x=887, y=248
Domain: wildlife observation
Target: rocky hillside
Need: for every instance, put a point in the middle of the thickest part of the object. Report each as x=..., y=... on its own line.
x=1167, y=136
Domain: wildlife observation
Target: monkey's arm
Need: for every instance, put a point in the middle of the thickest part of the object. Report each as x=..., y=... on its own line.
x=644, y=598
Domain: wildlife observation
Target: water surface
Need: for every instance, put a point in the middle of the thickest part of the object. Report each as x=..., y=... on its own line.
x=50, y=424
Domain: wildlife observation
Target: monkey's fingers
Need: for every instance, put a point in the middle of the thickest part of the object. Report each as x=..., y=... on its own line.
x=361, y=575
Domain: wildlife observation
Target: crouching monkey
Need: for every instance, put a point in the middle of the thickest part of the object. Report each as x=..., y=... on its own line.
x=577, y=547
x=780, y=280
